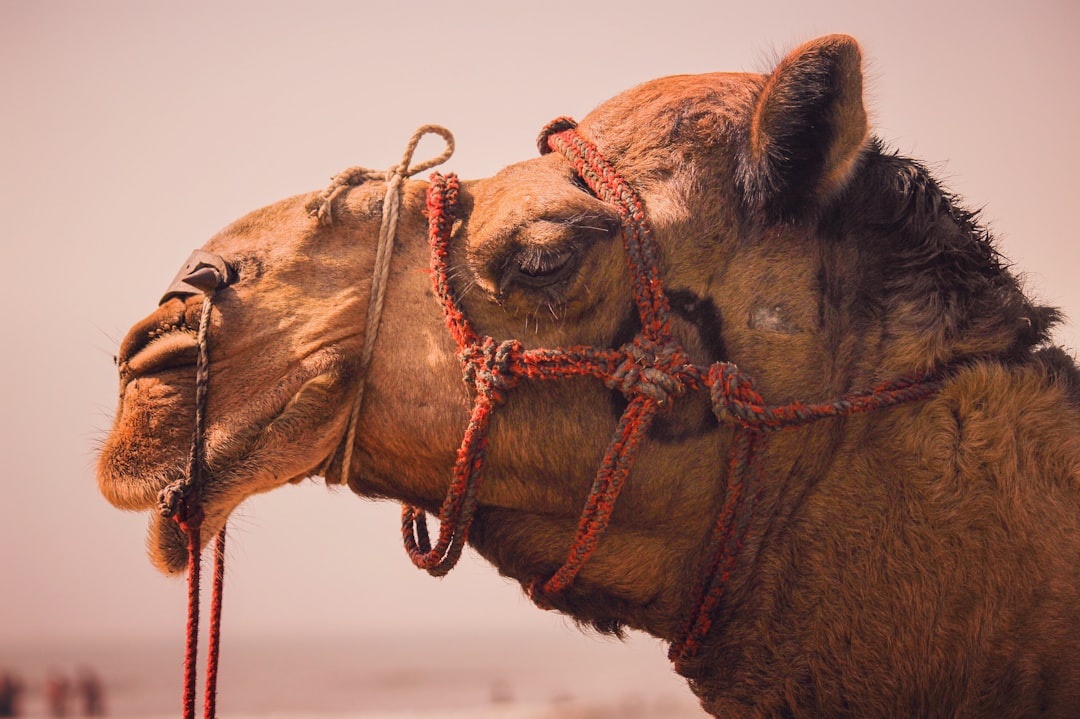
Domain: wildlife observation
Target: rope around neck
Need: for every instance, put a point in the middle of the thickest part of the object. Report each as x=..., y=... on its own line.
x=321, y=208
x=650, y=371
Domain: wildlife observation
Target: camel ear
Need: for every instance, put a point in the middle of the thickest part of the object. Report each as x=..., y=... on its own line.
x=807, y=130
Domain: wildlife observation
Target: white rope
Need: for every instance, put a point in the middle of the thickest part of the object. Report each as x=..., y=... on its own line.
x=320, y=208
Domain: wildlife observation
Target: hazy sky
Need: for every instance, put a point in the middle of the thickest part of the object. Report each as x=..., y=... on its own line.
x=131, y=131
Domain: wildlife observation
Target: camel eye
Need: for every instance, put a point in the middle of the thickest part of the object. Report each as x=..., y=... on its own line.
x=539, y=267
x=536, y=262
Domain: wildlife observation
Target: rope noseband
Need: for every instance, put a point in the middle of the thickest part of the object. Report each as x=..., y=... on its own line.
x=651, y=371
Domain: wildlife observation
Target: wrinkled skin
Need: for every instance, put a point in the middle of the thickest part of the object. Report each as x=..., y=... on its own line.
x=917, y=561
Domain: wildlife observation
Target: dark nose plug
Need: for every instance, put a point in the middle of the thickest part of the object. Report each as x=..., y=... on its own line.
x=202, y=273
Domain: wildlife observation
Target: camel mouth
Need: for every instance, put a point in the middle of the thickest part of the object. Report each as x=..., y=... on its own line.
x=151, y=441
x=157, y=377
x=174, y=348
x=168, y=545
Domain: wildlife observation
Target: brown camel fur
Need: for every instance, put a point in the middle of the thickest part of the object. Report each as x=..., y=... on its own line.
x=920, y=561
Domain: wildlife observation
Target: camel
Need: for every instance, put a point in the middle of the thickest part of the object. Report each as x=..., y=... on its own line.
x=916, y=557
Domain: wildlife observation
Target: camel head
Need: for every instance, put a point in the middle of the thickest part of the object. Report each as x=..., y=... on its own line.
x=756, y=188
x=284, y=337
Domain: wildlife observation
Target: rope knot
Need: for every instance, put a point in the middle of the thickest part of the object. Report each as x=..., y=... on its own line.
x=321, y=205
x=554, y=127
x=488, y=367
x=169, y=500
x=735, y=397
x=174, y=503
x=660, y=372
x=538, y=595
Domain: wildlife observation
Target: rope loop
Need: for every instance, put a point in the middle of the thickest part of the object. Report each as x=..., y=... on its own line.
x=487, y=366
x=320, y=206
x=407, y=170
x=661, y=372
x=559, y=124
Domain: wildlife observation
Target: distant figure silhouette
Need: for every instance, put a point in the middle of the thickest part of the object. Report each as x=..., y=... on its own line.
x=57, y=693
x=10, y=689
x=91, y=693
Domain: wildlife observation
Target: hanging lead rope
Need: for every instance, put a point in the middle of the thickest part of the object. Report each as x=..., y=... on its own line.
x=205, y=272
x=182, y=502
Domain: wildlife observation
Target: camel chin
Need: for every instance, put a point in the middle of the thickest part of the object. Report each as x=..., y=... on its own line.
x=141, y=457
x=249, y=448
x=166, y=545
x=149, y=444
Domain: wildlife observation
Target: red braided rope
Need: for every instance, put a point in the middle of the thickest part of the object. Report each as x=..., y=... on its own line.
x=213, y=649
x=601, y=501
x=609, y=186
x=191, y=649
x=650, y=371
x=191, y=528
x=736, y=400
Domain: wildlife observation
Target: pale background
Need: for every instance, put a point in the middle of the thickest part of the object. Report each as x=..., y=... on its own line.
x=131, y=131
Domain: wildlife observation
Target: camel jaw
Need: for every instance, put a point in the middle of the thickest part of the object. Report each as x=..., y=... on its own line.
x=149, y=443
x=247, y=452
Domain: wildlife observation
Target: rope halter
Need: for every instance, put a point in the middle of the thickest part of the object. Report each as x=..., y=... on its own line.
x=651, y=371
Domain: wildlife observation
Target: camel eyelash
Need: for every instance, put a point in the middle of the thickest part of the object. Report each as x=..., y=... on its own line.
x=580, y=183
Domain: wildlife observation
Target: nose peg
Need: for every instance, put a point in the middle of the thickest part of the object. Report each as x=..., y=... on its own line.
x=202, y=273
x=206, y=279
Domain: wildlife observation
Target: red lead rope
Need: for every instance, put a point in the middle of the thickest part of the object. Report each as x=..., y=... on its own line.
x=191, y=649
x=651, y=371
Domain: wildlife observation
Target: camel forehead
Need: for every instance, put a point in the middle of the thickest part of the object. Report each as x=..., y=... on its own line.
x=261, y=231
x=668, y=102
x=285, y=227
